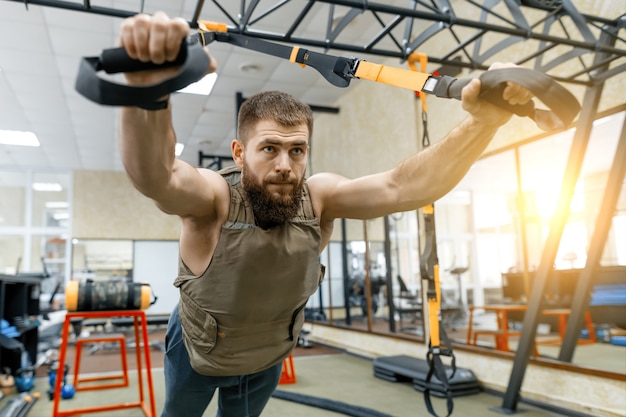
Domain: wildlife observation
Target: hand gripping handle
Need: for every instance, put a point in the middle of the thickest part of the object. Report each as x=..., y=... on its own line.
x=193, y=61
x=116, y=60
x=562, y=104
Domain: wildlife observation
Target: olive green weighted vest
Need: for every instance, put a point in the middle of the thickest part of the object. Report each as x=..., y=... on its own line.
x=244, y=313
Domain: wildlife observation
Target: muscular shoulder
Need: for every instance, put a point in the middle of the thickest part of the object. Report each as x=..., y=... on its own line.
x=367, y=197
x=323, y=188
x=212, y=198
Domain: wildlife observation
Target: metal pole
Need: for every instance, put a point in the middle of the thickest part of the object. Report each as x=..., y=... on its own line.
x=521, y=204
x=367, y=286
x=580, y=301
x=346, y=272
x=388, y=276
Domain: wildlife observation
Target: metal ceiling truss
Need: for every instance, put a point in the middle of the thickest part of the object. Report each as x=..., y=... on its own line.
x=563, y=40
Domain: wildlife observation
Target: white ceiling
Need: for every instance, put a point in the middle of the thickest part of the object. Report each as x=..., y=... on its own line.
x=40, y=50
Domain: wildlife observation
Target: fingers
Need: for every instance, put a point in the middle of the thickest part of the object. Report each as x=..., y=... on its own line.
x=487, y=113
x=513, y=92
x=516, y=94
x=155, y=38
x=178, y=30
x=469, y=100
x=500, y=65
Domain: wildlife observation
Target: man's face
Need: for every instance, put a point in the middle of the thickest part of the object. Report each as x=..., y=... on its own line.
x=273, y=167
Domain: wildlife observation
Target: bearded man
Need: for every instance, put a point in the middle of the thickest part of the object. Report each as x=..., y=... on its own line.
x=251, y=235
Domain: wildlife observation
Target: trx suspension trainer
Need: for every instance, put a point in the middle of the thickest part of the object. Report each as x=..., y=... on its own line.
x=429, y=272
x=339, y=71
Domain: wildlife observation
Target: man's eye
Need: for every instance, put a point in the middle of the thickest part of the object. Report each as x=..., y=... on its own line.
x=268, y=149
x=297, y=151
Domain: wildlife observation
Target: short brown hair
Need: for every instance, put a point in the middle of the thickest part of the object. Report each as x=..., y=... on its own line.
x=282, y=108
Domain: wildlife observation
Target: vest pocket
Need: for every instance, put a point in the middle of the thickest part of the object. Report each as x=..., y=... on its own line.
x=199, y=327
x=322, y=274
x=297, y=321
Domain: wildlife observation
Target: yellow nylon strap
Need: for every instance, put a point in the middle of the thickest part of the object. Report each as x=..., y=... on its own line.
x=433, y=311
x=390, y=75
x=294, y=55
x=423, y=60
x=434, y=305
x=208, y=26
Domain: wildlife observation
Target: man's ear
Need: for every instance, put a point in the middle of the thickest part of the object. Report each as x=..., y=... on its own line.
x=237, y=150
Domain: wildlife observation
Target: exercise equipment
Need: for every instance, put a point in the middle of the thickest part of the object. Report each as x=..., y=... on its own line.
x=68, y=391
x=429, y=267
x=288, y=374
x=7, y=382
x=338, y=71
x=403, y=368
x=25, y=379
x=145, y=388
x=127, y=322
x=107, y=295
x=52, y=375
x=438, y=343
x=19, y=406
x=326, y=404
x=119, y=379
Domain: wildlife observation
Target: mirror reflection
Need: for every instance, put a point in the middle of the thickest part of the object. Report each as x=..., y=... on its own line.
x=491, y=236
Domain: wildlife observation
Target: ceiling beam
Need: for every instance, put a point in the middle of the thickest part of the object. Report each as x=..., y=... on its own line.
x=517, y=22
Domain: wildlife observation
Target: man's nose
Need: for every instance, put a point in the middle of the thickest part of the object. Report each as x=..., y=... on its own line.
x=283, y=162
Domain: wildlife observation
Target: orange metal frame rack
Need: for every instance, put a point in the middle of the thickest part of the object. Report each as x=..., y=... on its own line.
x=141, y=337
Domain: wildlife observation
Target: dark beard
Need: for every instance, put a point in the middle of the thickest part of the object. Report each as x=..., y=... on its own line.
x=271, y=211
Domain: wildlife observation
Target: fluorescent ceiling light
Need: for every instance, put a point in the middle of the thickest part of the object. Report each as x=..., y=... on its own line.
x=179, y=149
x=57, y=204
x=47, y=186
x=16, y=137
x=202, y=87
x=61, y=216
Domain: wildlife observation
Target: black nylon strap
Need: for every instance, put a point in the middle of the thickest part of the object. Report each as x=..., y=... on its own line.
x=88, y=302
x=336, y=70
x=438, y=369
x=155, y=105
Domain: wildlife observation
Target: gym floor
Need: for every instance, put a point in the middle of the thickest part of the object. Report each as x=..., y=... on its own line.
x=320, y=372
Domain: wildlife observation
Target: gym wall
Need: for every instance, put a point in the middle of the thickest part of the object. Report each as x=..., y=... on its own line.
x=107, y=206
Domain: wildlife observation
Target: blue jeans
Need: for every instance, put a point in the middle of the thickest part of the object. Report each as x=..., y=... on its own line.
x=188, y=393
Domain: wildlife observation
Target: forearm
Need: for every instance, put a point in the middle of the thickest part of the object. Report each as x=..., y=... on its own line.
x=147, y=143
x=433, y=172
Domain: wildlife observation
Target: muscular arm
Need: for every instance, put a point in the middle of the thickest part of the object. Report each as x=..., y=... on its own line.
x=147, y=138
x=425, y=176
x=147, y=143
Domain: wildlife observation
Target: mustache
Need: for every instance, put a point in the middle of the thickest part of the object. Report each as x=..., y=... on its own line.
x=280, y=179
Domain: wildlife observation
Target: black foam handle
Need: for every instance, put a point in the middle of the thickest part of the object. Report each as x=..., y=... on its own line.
x=450, y=87
x=116, y=60
x=490, y=91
